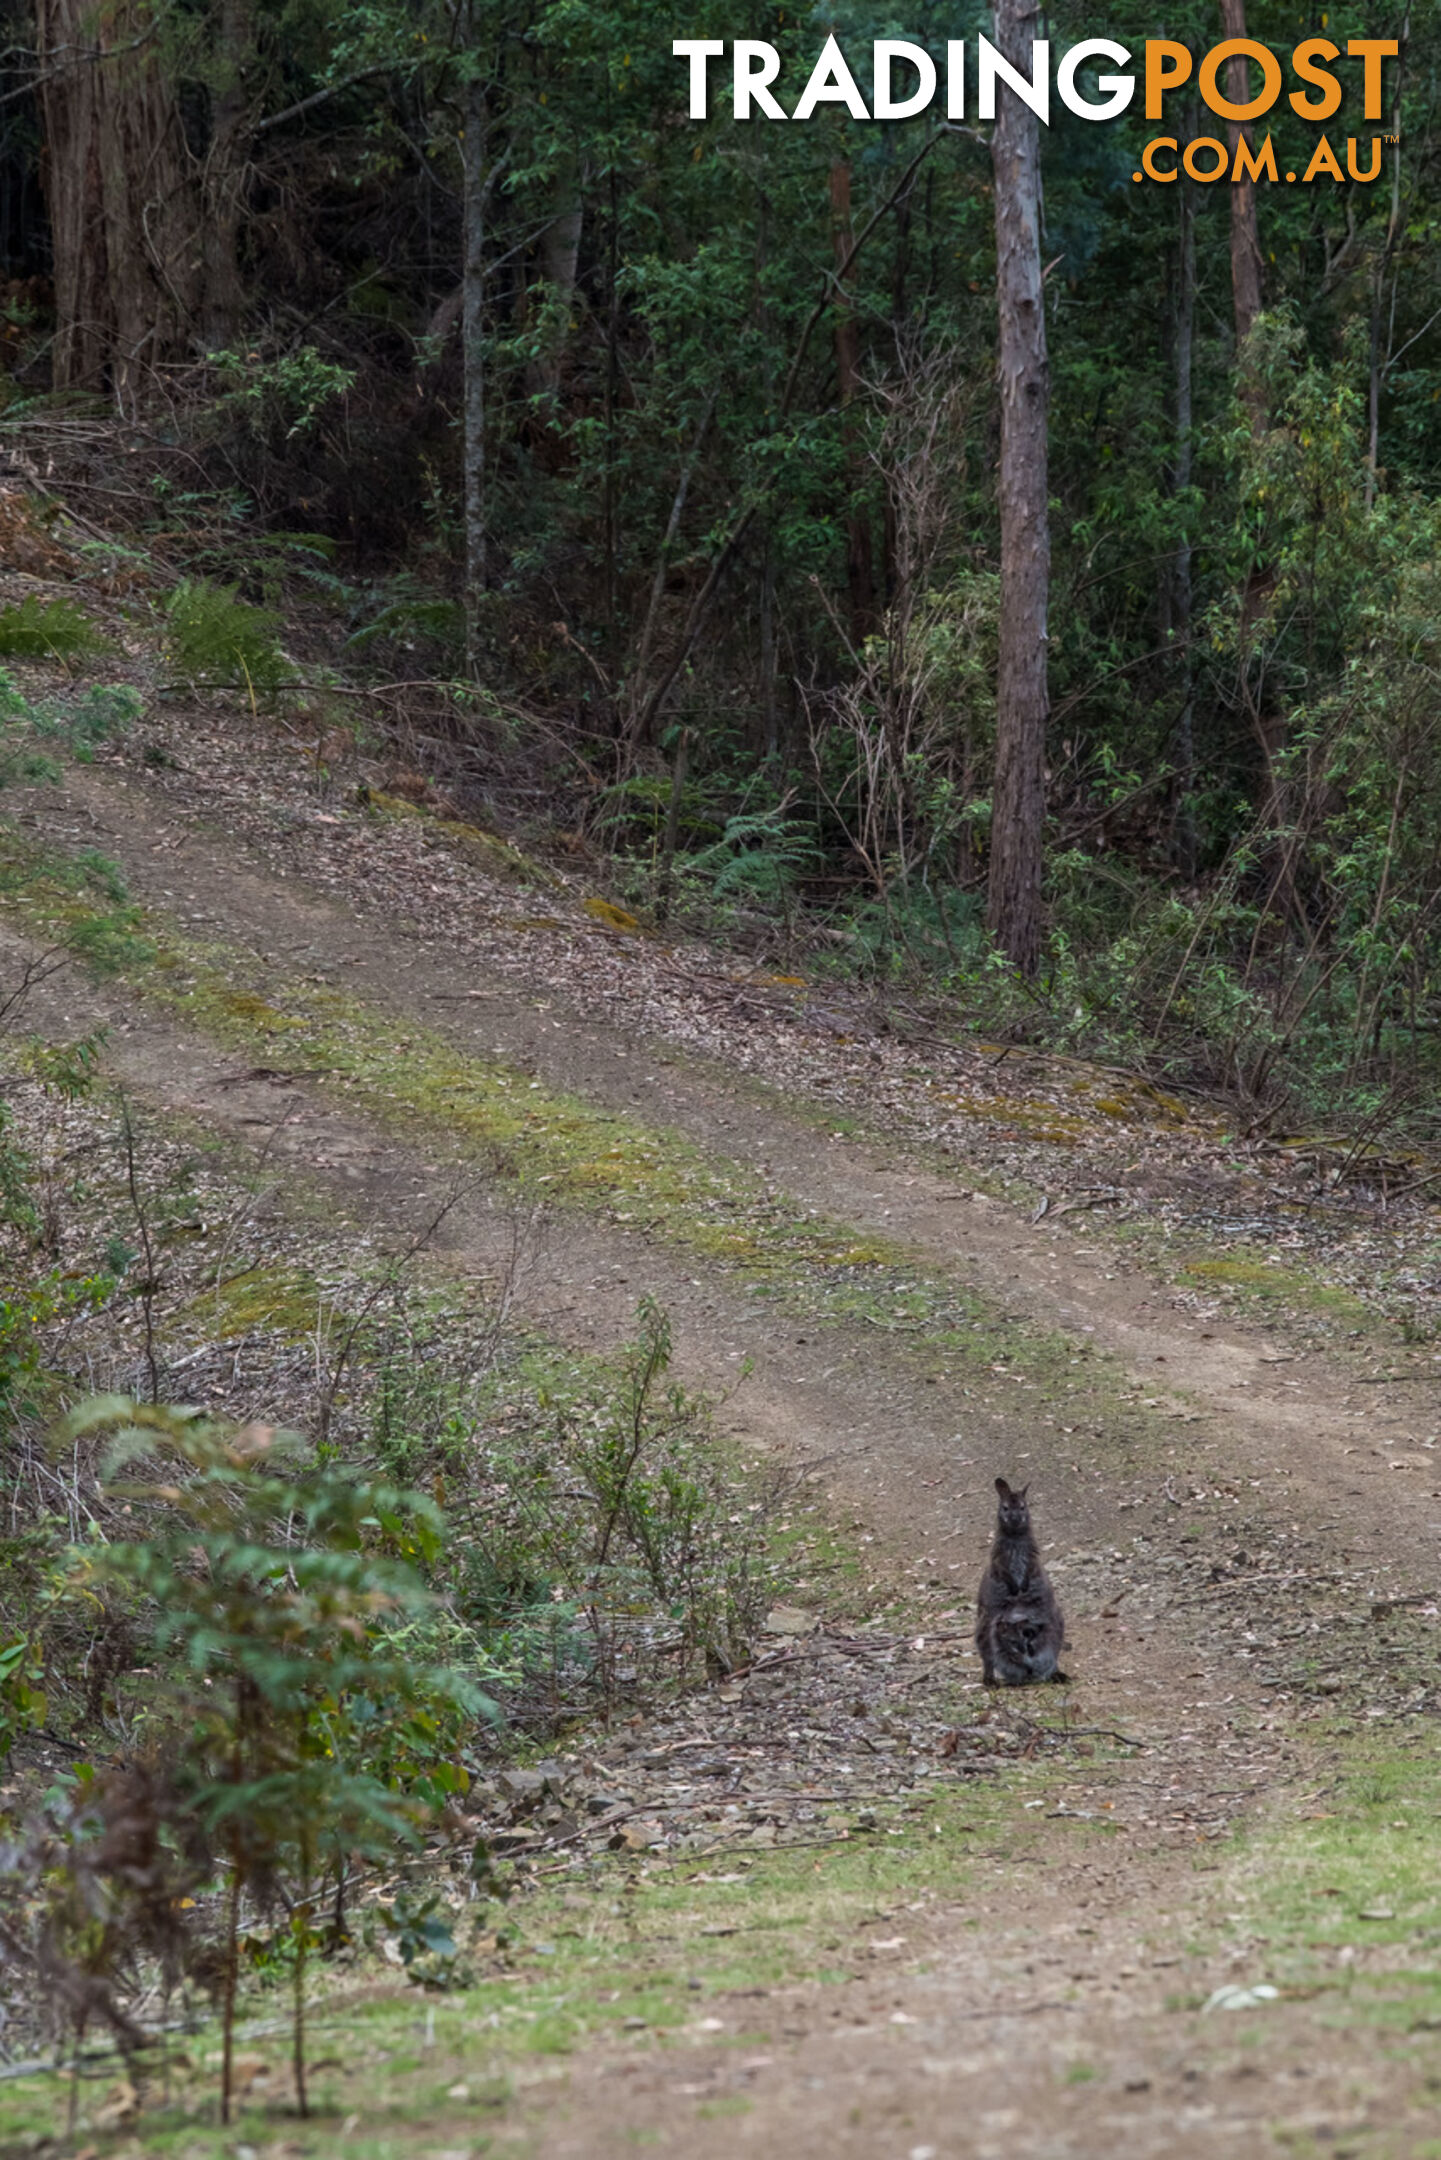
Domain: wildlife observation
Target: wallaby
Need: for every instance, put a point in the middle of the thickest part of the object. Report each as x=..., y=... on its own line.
x=1019, y=1629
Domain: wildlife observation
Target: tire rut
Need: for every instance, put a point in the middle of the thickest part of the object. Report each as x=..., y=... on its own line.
x=1301, y=1428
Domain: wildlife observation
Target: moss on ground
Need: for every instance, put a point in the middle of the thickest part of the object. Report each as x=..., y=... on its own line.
x=1264, y=1284
x=281, y=1298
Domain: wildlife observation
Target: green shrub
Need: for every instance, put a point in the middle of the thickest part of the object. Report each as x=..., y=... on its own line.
x=285, y=395
x=36, y=629
x=302, y=1712
x=22, y=1691
x=19, y=761
x=599, y=1541
x=409, y=613
x=758, y=858
x=215, y=640
x=606, y=1545
x=78, y=725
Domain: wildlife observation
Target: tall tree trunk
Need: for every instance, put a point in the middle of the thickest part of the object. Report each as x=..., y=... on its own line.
x=766, y=641
x=1183, y=747
x=472, y=332
x=1378, y=283
x=559, y=262
x=770, y=726
x=610, y=490
x=1018, y=807
x=1245, y=237
x=232, y=132
x=860, y=580
x=120, y=184
x=1266, y=723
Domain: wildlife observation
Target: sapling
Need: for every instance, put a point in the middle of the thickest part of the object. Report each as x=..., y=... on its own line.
x=288, y=1607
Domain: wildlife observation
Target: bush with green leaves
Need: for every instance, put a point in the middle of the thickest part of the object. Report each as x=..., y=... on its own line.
x=76, y=725
x=284, y=396
x=405, y=611
x=301, y=1696
x=758, y=859
x=20, y=761
x=22, y=1690
x=420, y=1925
x=216, y=640
x=103, y=713
x=28, y=1311
x=604, y=1541
x=101, y=1885
x=920, y=926
x=36, y=629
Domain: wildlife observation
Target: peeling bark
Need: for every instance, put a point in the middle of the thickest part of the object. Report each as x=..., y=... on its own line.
x=120, y=185
x=1018, y=807
x=1245, y=234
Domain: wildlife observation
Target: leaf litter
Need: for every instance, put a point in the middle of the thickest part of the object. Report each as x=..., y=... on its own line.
x=1184, y=1176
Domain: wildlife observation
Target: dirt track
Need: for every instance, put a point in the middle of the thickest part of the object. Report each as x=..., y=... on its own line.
x=1231, y=1425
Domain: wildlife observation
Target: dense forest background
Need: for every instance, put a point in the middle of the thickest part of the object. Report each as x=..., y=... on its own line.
x=660, y=463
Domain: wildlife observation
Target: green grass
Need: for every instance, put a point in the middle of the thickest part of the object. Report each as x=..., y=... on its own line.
x=616, y=1941
x=1355, y=1869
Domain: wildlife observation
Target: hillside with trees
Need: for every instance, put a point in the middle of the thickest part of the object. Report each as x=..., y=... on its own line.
x=682, y=443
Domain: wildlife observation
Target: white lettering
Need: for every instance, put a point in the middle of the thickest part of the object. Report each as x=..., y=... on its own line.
x=1120, y=88
x=887, y=52
x=993, y=67
x=755, y=66
x=956, y=79
x=831, y=83
x=697, y=51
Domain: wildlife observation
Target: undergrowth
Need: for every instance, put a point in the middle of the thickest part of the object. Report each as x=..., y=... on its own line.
x=216, y=640
x=33, y=628
x=275, y=1663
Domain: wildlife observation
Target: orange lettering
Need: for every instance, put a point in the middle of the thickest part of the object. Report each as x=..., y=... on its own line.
x=1248, y=49
x=1159, y=77
x=1303, y=60
x=1323, y=159
x=1206, y=142
x=1372, y=50
x=1257, y=165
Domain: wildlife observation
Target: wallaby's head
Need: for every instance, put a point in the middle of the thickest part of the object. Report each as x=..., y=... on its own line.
x=1013, y=1517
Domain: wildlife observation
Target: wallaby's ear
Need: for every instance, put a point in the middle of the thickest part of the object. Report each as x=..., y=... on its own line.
x=1023, y=1491
x=1003, y=1488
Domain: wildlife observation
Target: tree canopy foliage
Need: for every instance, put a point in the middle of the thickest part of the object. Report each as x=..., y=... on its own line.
x=696, y=425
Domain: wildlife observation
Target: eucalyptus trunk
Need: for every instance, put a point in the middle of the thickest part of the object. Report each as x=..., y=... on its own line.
x=121, y=190
x=472, y=323
x=1266, y=721
x=1179, y=595
x=227, y=161
x=860, y=578
x=1018, y=807
x=559, y=247
x=1245, y=234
